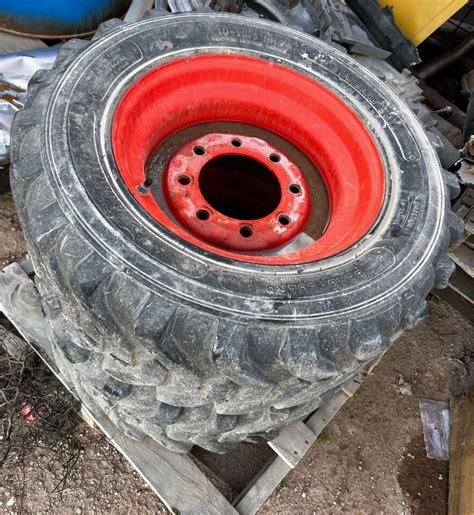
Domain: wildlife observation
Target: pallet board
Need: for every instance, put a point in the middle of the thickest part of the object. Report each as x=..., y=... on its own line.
x=177, y=481
x=293, y=442
x=461, y=463
x=175, y=478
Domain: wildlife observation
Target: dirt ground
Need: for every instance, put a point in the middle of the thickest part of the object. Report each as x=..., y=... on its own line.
x=12, y=245
x=370, y=459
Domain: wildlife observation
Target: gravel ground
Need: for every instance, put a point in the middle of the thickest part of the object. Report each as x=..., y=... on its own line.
x=370, y=459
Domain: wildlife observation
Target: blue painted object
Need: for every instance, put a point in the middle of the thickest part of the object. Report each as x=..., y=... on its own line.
x=58, y=18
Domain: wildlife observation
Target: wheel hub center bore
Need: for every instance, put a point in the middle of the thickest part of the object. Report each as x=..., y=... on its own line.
x=237, y=192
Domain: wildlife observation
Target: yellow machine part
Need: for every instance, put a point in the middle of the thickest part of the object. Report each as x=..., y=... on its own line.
x=418, y=19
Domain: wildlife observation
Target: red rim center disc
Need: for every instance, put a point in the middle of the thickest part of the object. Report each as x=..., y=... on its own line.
x=221, y=203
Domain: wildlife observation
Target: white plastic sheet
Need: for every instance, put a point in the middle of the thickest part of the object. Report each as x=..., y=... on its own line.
x=15, y=72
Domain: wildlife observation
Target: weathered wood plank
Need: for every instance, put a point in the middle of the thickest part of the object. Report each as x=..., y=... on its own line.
x=461, y=460
x=321, y=417
x=176, y=480
x=293, y=442
x=13, y=344
x=457, y=299
x=263, y=487
x=19, y=300
x=463, y=256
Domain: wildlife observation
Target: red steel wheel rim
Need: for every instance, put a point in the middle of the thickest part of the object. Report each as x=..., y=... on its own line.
x=236, y=88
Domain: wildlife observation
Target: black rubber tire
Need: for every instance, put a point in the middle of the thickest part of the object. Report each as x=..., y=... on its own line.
x=179, y=344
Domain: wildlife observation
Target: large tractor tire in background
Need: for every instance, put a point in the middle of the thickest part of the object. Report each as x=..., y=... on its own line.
x=227, y=219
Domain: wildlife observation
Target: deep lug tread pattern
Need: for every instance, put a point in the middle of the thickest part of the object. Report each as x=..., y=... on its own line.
x=164, y=370
x=456, y=227
x=302, y=356
x=453, y=186
x=68, y=51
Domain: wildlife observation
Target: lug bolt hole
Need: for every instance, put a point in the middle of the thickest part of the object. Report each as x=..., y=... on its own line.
x=184, y=180
x=284, y=220
x=295, y=189
x=203, y=214
x=199, y=151
x=236, y=142
x=274, y=158
x=246, y=231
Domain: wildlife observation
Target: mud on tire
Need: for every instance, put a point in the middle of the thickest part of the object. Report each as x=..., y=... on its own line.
x=175, y=342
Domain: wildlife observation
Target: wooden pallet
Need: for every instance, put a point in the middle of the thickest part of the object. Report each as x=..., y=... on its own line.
x=460, y=291
x=175, y=478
